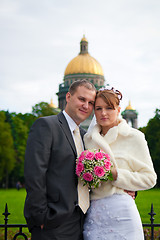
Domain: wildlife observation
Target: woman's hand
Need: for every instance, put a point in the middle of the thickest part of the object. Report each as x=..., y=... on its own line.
x=114, y=173
x=131, y=193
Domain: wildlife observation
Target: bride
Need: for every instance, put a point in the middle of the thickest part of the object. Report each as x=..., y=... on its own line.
x=113, y=214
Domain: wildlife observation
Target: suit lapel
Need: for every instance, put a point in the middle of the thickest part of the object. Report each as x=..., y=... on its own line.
x=66, y=130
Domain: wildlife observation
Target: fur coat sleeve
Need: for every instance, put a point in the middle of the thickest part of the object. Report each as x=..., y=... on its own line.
x=129, y=153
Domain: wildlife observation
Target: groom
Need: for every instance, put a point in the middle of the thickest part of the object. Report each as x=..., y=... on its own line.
x=51, y=206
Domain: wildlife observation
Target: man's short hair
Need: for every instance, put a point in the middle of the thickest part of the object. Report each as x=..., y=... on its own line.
x=78, y=83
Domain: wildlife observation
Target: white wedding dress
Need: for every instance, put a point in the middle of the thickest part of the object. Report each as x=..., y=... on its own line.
x=113, y=218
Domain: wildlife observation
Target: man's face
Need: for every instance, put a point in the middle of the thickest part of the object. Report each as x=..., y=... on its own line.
x=80, y=104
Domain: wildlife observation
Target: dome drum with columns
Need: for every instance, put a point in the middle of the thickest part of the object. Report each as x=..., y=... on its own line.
x=81, y=67
x=130, y=115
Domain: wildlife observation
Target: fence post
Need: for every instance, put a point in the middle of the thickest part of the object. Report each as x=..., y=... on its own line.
x=6, y=214
x=152, y=213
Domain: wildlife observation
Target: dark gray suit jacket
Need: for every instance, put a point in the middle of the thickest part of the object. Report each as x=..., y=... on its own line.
x=49, y=172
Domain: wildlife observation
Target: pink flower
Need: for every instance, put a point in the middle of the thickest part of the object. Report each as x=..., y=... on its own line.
x=88, y=177
x=90, y=155
x=99, y=156
x=79, y=168
x=99, y=171
x=81, y=157
x=83, y=153
x=106, y=156
x=107, y=165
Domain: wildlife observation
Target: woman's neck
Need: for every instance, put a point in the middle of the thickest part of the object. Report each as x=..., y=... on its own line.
x=105, y=129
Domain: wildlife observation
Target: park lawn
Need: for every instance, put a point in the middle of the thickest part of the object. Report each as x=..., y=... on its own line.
x=15, y=200
x=144, y=200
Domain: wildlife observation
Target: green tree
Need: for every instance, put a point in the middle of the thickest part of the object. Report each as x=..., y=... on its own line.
x=20, y=134
x=43, y=109
x=14, y=129
x=152, y=134
x=7, y=153
x=27, y=118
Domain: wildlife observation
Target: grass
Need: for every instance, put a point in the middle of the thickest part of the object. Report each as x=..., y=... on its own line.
x=143, y=202
x=15, y=200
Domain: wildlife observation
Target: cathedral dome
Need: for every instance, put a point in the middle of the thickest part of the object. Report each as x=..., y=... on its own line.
x=79, y=68
x=129, y=107
x=84, y=63
x=52, y=105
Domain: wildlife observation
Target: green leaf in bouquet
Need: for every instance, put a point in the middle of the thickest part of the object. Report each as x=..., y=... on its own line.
x=110, y=176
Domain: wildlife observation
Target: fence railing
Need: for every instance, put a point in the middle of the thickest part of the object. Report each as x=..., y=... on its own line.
x=6, y=226
x=19, y=232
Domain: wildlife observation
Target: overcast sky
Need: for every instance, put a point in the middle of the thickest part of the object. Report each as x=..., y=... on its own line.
x=38, y=38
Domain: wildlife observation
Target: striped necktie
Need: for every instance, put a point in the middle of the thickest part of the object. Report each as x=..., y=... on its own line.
x=83, y=192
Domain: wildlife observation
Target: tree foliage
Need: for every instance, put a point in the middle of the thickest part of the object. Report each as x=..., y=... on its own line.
x=14, y=129
x=27, y=118
x=43, y=109
x=20, y=134
x=152, y=134
x=7, y=153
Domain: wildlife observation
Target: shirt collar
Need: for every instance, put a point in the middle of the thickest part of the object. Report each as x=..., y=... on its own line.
x=71, y=123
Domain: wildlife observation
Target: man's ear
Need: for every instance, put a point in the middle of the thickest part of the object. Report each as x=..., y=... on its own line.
x=68, y=96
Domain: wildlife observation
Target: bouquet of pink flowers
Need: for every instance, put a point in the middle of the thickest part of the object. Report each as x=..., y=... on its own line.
x=93, y=167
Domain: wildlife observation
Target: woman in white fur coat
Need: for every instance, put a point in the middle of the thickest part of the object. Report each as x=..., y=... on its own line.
x=113, y=214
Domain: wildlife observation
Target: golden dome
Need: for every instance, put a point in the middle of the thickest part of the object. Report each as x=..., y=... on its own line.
x=84, y=63
x=84, y=39
x=52, y=104
x=129, y=107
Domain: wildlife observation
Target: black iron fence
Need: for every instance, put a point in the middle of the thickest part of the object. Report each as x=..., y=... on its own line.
x=6, y=226
x=149, y=234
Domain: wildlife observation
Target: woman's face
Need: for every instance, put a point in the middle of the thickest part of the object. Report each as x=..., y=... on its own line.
x=105, y=115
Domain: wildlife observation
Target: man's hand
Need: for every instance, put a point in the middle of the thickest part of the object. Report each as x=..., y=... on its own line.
x=42, y=226
x=131, y=193
x=114, y=173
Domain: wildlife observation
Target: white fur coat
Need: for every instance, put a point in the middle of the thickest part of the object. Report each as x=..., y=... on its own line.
x=129, y=153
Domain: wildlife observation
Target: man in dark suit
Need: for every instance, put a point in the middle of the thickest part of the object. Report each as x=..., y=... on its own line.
x=51, y=206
